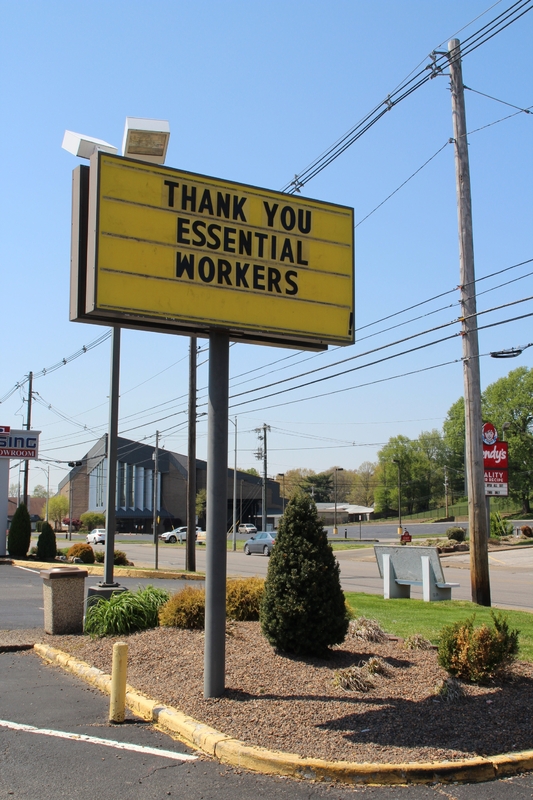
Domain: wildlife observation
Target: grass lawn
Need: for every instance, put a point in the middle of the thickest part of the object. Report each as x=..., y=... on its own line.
x=405, y=617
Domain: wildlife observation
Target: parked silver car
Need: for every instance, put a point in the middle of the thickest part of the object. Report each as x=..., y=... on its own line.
x=262, y=542
x=246, y=527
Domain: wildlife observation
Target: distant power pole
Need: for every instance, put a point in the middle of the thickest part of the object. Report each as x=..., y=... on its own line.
x=155, y=498
x=478, y=528
x=263, y=452
x=28, y=427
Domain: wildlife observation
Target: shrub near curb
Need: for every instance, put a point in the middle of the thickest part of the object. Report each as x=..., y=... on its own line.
x=476, y=654
x=81, y=551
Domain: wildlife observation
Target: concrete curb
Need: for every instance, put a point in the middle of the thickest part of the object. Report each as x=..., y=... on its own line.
x=259, y=759
x=124, y=572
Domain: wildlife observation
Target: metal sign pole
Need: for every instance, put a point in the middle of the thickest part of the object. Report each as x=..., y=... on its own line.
x=217, y=510
x=112, y=453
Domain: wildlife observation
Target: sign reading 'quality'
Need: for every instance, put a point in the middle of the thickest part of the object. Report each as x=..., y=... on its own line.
x=192, y=253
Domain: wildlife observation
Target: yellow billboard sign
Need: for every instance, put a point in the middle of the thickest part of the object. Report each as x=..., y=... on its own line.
x=172, y=250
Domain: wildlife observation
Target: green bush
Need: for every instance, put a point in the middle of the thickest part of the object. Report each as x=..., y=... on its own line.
x=476, y=654
x=125, y=612
x=92, y=519
x=120, y=559
x=243, y=598
x=19, y=536
x=82, y=551
x=303, y=609
x=456, y=534
x=185, y=609
x=499, y=526
x=39, y=526
x=46, y=543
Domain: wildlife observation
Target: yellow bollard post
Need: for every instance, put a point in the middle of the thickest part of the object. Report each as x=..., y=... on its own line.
x=117, y=703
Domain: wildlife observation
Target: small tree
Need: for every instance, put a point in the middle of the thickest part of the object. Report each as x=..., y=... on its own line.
x=57, y=509
x=201, y=505
x=92, y=519
x=19, y=537
x=303, y=609
x=46, y=543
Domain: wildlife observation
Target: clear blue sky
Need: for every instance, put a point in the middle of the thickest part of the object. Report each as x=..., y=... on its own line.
x=253, y=93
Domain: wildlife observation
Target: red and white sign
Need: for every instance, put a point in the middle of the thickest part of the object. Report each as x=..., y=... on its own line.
x=489, y=434
x=495, y=464
x=495, y=456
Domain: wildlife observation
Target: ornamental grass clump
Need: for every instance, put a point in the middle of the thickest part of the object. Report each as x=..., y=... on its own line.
x=185, y=609
x=477, y=654
x=243, y=599
x=303, y=609
x=120, y=559
x=125, y=612
x=368, y=630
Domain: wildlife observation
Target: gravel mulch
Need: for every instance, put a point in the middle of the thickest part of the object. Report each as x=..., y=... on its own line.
x=292, y=704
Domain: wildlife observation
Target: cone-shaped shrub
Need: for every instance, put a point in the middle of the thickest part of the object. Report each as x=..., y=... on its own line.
x=303, y=609
x=46, y=543
x=19, y=536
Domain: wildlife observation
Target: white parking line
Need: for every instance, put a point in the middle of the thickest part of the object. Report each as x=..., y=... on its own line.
x=81, y=737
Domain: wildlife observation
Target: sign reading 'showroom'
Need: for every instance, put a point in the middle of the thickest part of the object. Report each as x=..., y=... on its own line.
x=194, y=253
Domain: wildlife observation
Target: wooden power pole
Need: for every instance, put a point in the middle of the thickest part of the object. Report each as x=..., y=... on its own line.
x=478, y=526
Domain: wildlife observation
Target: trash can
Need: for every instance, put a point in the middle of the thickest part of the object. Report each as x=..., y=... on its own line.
x=64, y=596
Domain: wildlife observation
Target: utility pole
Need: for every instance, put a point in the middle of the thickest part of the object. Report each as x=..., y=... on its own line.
x=28, y=428
x=262, y=432
x=190, y=543
x=478, y=529
x=154, y=509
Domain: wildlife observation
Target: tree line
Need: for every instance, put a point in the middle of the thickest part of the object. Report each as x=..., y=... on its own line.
x=431, y=468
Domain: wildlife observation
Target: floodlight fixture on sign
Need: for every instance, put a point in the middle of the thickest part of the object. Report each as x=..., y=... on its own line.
x=146, y=139
x=84, y=146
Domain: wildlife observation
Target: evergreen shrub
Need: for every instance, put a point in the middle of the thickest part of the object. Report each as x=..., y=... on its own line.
x=243, y=599
x=476, y=654
x=185, y=609
x=456, y=534
x=82, y=551
x=46, y=543
x=303, y=609
x=19, y=536
x=120, y=559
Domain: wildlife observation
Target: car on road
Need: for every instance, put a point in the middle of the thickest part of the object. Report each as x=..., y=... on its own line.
x=247, y=527
x=96, y=536
x=261, y=542
x=178, y=534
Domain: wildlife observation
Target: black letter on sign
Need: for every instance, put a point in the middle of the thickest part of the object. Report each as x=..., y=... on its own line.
x=238, y=203
x=240, y=274
x=224, y=271
x=288, y=218
x=171, y=186
x=304, y=228
x=286, y=251
x=223, y=205
x=188, y=198
x=294, y=286
x=299, y=254
x=259, y=276
x=197, y=226
x=215, y=239
x=271, y=213
x=274, y=277
x=183, y=230
x=184, y=264
x=205, y=202
x=206, y=269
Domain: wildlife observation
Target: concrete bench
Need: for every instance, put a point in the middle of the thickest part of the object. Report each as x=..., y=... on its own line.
x=402, y=567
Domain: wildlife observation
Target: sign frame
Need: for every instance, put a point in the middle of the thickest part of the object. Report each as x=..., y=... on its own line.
x=330, y=312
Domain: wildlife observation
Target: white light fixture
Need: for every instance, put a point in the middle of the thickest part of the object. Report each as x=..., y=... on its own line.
x=84, y=146
x=146, y=139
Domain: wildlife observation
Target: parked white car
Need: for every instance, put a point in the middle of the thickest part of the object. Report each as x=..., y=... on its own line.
x=96, y=536
x=247, y=528
x=178, y=534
